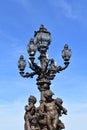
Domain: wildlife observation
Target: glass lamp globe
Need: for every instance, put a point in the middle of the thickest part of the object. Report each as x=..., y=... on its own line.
x=66, y=53
x=31, y=48
x=21, y=63
x=42, y=38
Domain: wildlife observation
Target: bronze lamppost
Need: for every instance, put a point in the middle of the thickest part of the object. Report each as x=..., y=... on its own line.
x=46, y=115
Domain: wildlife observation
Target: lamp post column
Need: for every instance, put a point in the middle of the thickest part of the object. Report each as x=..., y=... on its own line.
x=42, y=81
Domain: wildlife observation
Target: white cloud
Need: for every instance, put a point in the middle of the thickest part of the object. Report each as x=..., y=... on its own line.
x=24, y=3
x=75, y=121
x=67, y=9
x=77, y=116
x=14, y=45
x=11, y=116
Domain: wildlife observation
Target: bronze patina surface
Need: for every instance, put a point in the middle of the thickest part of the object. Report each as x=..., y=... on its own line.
x=47, y=115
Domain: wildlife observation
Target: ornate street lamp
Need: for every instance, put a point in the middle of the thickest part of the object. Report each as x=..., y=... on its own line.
x=47, y=69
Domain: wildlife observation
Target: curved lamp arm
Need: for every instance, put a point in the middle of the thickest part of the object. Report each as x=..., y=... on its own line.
x=22, y=65
x=59, y=68
x=27, y=75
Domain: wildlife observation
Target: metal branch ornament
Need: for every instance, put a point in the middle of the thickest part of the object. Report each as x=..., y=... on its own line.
x=46, y=71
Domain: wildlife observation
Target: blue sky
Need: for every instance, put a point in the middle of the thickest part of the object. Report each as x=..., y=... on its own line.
x=67, y=22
